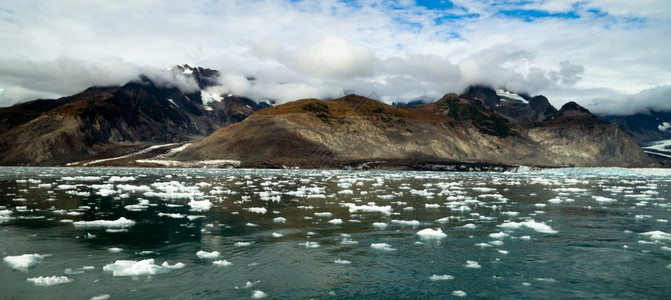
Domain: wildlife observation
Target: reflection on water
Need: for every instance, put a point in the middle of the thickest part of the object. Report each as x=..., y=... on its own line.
x=184, y=233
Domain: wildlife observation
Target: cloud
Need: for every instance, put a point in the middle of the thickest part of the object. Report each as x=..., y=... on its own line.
x=583, y=50
x=657, y=99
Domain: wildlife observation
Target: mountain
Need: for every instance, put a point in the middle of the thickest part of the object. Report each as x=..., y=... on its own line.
x=108, y=121
x=480, y=127
x=644, y=127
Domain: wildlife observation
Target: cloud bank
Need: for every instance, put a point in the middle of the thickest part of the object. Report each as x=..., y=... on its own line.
x=610, y=55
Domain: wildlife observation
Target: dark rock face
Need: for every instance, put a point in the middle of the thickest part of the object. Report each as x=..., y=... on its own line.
x=53, y=132
x=354, y=130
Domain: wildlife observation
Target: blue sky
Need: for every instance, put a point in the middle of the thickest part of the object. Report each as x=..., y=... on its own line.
x=611, y=56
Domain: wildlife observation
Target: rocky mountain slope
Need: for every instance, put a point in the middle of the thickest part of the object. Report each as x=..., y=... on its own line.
x=108, y=121
x=644, y=127
x=480, y=126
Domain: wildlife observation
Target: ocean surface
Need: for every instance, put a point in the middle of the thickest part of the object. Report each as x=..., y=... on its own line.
x=128, y=233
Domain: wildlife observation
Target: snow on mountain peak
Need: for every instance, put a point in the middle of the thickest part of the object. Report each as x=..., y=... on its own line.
x=510, y=95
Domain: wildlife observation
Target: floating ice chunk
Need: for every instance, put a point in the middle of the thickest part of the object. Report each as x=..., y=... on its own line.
x=49, y=280
x=259, y=295
x=665, y=248
x=258, y=210
x=119, y=223
x=473, y=264
x=343, y=262
x=194, y=217
x=413, y=223
x=280, y=220
x=380, y=225
x=336, y=221
x=135, y=268
x=496, y=243
x=23, y=262
x=459, y=293
x=5, y=212
x=310, y=245
x=101, y=297
x=114, y=250
x=200, y=205
x=370, y=207
x=114, y=179
x=429, y=233
x=174, y=216
x=382, y=246
x=525, y=238
x=537, y=226
x=207, y=255
x=499, y=235
x=504, y=252
x=133, y=188
x=242, y=244
x=222, y=263
x=657, y=235
x=469, y=226
x=178, y=265
x=441, y=277
x=430, y=205
x=83, y=178
x=601, y=199
x=277, y=235
x=323, y=214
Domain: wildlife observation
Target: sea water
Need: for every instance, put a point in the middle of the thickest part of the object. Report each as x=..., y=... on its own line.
x=127, y=233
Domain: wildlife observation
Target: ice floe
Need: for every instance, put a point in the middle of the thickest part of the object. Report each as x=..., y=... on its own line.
x=23, y=262
x=221, y=263
x=473, y=264
x=259, y=294
x=459, y=293
x=382, y=246
x=429, y=233
x=537, y=226
x=200, y=206
x=49, y=280
x=370, y=207
x=343, y=262
x=441, y=277
x=121, y=223
x=139, y=268
x=657, y=235
x=207, y=255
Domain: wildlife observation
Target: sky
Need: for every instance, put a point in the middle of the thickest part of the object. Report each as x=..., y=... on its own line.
x=611, y=56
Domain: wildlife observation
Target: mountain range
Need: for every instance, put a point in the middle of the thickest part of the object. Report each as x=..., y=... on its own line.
x=479, y=128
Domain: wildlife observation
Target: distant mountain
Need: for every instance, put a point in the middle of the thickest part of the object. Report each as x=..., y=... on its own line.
x=644, y=127
x=481, y=126
x=106, y=121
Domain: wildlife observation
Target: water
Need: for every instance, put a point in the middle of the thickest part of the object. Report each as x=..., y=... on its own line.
x=572, y=233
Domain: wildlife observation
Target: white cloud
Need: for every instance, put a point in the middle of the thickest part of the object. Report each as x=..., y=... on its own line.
x=324, y=48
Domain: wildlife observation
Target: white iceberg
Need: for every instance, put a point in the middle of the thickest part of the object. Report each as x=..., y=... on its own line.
x=207, y=255
x=23, y=262
x=120, y=223
x=49, y=280
x=429, y=233
x=138, y=268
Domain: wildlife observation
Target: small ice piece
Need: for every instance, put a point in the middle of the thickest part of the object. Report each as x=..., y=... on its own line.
x=665, y=248
x=200, y=205
x=483, y=245
x=114, y=250
x=207, y=255
x=343, y=262
x=23, y=262
x=310, y=245
x=174, y=216
x=117, y=224
x=178, y=265
x=469, y=226
x=259, y=295
x=49, y=280
x=525, y=238
x=496, y=243
x=537, y=226
x=370, y=207
x=504, y=252
x=258, y=210
x=277, y=235
x=336, y=221
x=114, y=179
x=601, y=199
x=473, y=264
x=222, y=263
x=194, y=217
x=429, y=233
x=382, y=246
x=280, y=220
x=323, y=214
x=657, y=235
x=5, y=212
x=380, y=225
x=500, y=235
x=459, y=293
x=242, y=244
x=441, y=277
x=101, y=297
x=412, y=223
x=135, y=268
